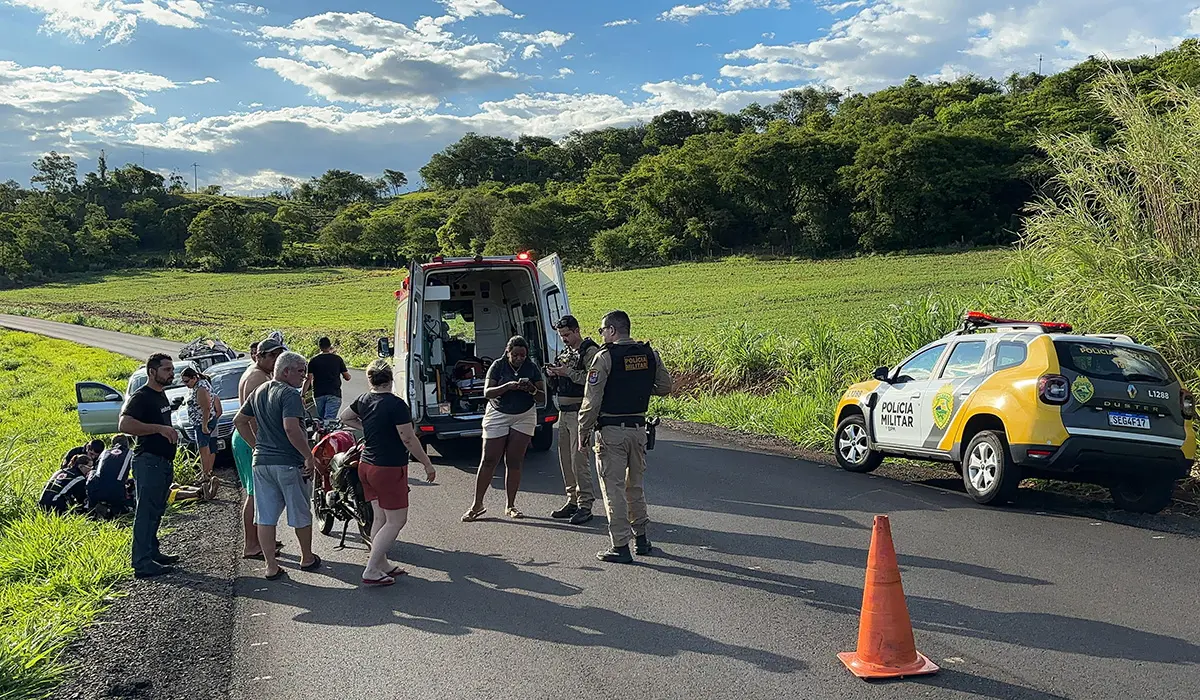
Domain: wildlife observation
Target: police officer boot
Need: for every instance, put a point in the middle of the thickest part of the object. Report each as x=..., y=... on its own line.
x=616, y=555
x=581, y=516
x=643, y=545
x=566, y=511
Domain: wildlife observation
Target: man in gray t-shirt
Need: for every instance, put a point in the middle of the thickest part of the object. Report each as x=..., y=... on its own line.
x=283, y=462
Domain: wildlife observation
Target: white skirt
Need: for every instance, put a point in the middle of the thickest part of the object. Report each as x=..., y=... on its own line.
x=497, y=424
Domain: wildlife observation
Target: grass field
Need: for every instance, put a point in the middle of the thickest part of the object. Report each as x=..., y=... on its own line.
x=355, y=306
x=55, y=573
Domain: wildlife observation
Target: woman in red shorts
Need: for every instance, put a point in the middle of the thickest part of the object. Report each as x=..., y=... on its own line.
x=386, y=422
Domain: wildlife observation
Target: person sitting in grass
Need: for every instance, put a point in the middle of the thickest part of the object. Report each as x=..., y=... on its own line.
x=92, y=449
x=67, y=488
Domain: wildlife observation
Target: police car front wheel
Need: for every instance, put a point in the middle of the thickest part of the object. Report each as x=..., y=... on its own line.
x=989, y=474
x=852, y=448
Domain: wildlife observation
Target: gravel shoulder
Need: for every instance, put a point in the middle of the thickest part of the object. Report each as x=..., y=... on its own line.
x=169, y=638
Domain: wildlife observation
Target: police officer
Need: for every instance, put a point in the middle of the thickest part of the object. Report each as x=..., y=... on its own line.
x=575, y=461
x=623, y=376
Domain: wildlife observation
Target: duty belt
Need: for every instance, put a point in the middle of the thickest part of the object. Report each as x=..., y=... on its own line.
x=627, y=421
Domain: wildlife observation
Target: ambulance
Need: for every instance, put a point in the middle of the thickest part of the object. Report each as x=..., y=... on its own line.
x=454, y=317
x=1003, y=400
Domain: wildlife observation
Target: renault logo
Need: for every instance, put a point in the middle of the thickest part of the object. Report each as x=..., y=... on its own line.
x=1132, y=391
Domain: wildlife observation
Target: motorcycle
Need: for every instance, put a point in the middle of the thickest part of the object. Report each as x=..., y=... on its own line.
x=338, y=492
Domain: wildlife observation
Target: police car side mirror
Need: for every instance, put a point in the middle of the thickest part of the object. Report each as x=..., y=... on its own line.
x=883, y=374
x=385, y=349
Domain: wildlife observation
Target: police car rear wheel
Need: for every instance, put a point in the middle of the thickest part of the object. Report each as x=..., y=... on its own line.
x=1143, y=496
x=852, y=448
x=989, y=474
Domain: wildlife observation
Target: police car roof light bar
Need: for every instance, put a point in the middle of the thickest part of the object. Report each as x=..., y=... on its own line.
x=978, y=319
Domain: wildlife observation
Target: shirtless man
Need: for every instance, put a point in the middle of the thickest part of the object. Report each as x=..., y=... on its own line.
x=255, y=376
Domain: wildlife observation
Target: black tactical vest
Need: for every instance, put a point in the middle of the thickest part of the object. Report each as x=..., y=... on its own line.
x=568, y=388
x=631, y=379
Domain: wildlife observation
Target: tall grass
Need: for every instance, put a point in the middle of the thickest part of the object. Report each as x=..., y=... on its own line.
x=55, y=572
x=788, y=386
x=1114, y=245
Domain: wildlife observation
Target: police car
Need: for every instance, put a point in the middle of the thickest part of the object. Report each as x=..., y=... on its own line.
x=1003, y=400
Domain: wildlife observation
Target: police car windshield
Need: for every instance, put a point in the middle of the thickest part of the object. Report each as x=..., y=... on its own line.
x=1112, y=362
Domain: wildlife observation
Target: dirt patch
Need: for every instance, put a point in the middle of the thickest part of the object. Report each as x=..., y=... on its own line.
x=169, y=638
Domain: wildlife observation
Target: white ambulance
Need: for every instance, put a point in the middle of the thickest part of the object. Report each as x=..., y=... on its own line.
x=454, y=317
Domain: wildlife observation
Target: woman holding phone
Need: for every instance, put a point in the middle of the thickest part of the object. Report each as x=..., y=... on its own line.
x=514, y=387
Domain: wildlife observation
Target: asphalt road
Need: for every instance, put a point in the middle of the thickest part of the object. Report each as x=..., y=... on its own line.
x=757, y=586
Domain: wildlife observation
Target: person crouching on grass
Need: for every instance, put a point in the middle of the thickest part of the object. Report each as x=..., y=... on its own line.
x=386, y=423
x=514, y=387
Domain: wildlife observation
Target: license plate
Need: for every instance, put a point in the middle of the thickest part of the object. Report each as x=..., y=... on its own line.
x=1129, y=420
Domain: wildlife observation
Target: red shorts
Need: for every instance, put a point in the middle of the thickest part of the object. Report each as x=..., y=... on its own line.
x=388, y=485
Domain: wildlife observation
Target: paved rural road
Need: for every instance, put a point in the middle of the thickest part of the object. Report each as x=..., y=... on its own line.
x=756, y=589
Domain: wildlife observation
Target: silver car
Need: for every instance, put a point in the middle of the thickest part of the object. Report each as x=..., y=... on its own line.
x=99, y=405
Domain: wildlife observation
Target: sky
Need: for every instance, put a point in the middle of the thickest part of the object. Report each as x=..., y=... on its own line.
x=242, y=94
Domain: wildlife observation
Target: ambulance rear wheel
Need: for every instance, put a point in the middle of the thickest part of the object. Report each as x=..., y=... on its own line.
x=989, y=473
x=543, y=438
x=852, y=448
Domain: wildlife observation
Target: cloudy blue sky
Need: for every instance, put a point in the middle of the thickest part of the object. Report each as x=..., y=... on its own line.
x=253, y=91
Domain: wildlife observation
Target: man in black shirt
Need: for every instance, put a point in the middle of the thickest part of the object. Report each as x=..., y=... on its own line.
x=326, y=370
x=91, y=449
x=147, y=416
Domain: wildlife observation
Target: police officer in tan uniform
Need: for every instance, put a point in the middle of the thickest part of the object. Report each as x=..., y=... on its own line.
x=575, y=460
x=623, y=376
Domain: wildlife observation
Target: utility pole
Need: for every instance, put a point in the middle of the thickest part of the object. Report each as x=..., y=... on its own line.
x=195, y=177
x=143, y=157
x=1039, y=64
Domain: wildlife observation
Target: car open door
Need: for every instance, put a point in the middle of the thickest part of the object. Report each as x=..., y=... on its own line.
x=554, y=298
x=407, y=366
x=99, y=407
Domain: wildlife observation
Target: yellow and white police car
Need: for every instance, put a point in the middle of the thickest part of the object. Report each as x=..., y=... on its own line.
x=1003, y=400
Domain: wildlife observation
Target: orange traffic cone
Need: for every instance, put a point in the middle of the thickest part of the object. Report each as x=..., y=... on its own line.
x=886, y=648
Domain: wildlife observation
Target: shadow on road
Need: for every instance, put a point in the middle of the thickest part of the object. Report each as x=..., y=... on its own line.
x=489, y=592
x=1032, y=630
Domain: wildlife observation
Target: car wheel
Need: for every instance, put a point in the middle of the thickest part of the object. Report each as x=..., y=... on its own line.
x=543, y=438
x=852, y=448
x=989, y=473
x=1138, y=496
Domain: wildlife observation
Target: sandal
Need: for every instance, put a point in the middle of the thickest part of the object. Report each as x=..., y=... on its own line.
x=397, y=572
x=275, y=576
x=376, y=582
x=316, y=564
x=472, y=515
x=513, y=513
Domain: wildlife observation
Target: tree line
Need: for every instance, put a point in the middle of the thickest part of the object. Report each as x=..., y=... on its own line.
x=914, y=166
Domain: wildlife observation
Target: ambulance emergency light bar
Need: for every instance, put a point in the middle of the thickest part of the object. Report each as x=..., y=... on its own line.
x=978, y=319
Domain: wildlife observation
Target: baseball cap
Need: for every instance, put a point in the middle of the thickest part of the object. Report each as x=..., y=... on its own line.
x=270, y=345
x=567, y=321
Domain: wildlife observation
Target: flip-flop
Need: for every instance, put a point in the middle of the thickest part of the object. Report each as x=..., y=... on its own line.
x=376, y=582
x=275, y=576
x=397, y=572
x=514, y=513
x=259, y=556
x=472, y=515
x=316, y=564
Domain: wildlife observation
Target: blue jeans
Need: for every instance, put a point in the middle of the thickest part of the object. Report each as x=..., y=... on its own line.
x=328, y=407
x=152, y=479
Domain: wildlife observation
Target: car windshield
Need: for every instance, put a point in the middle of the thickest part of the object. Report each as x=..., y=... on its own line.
x=225, y=384
x=1113, y=362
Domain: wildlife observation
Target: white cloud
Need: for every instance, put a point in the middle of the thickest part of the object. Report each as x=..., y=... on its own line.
x=387, y=63
x=469, y=8
x=564, y=72
x=768, y=35
x=248, y=9
x=683, y=13
x=114, y=20
x=531, y=51
x=547, y=38
x=621, y=22
x=693, y=77
x=886, y=40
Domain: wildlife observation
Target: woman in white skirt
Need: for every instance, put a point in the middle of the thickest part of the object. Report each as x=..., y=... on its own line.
x=514, y=387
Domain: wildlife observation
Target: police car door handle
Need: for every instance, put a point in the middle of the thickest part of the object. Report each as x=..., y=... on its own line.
x=917, y=395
